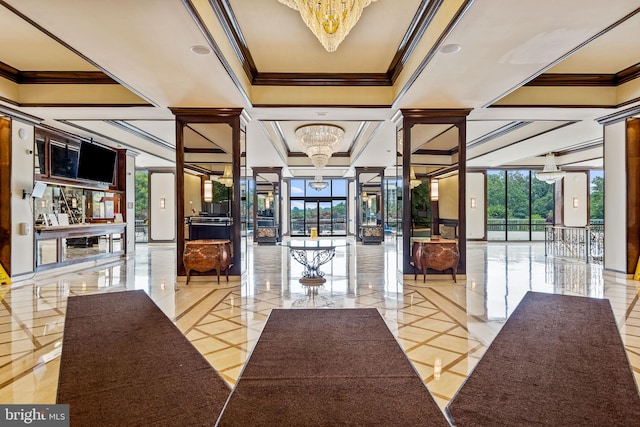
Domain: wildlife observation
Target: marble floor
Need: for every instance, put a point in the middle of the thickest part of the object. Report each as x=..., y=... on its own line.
x=444, y=327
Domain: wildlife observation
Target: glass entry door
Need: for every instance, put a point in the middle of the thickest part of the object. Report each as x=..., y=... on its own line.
x=318, y=215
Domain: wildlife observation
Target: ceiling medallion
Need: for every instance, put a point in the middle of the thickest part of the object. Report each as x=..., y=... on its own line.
x=550, y=173
x=329, y=20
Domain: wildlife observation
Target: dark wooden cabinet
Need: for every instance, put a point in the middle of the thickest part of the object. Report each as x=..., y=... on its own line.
x=435, y=254
x=207, y=255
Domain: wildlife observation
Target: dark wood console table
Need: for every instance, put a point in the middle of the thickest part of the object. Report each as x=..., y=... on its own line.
x=436, y=254
x=207, y=255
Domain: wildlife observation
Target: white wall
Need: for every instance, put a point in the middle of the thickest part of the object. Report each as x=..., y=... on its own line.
x=163, y=221
x=475, y=215
x=615, y=200
x=575, y=186
x=22, y=247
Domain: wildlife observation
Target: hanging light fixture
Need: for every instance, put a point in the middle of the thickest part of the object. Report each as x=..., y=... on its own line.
x=551, y=172
x=318, y=184
x=364, y=196
x=208, y=191
x=413, y=181
x=319, y=141
x=434, y=190
x=329, y=20
x=227, y=177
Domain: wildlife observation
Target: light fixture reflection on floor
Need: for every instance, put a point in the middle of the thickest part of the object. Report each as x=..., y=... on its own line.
x=329, y=20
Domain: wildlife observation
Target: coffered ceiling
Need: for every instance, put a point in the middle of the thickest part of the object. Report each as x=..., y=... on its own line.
x=536, y=74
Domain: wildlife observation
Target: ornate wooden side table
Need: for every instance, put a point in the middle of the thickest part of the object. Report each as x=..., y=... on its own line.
x=206, y=255
x=436, y=254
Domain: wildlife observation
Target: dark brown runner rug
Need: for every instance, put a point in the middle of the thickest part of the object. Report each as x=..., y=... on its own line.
x=125, y=363
x=559, y=361
x=320, y=367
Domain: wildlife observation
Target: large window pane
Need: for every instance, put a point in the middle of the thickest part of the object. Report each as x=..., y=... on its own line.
x=518, y=206
x=541, y=207
x=339, y=188
x=596, y=197
x=391, y=189
x=310, y=216
x=297, y=187
x=339, y=219
x=324, y=218
x=297, y=218
x=496, y=205
x=142, y=205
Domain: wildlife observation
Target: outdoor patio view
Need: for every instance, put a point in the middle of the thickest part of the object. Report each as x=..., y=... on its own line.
x=519, y=206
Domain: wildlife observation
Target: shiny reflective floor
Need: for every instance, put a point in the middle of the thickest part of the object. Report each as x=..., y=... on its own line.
x=444, y=327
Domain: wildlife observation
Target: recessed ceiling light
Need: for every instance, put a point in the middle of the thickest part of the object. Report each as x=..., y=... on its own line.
x=200, y=50
x=450, y=48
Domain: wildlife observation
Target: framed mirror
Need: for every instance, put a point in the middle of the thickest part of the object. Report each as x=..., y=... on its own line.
x=208, y=186
x=267, y=214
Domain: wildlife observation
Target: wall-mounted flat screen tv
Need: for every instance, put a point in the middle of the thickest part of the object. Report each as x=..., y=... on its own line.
x=96, y=163
x=64, y=160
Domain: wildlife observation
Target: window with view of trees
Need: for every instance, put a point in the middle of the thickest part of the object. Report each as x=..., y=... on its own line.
x=324, y=210
x=518, y=205
x=596, y=197
x=142, y=205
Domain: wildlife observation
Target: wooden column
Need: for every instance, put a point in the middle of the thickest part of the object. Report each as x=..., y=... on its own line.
x=5, y=194
x=632, y=146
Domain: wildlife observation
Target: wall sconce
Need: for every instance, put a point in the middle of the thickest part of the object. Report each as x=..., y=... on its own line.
x=163, y=203
x=575, y=202
x=473, y=203
x=208, y=191
x=434, y=190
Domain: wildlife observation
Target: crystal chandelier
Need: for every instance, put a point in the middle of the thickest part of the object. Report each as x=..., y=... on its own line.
x=329, y=20
x=227, y=177
x=413, y=181
x=319, y=141
x=318, y=184
x=550, y=173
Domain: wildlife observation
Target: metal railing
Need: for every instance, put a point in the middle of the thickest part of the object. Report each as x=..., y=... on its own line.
x=584, y=244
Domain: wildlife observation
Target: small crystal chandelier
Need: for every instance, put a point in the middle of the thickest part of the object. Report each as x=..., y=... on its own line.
x=550, y=173
x=329, y=20
x=413, y=181
x=318, y=184
x=227, y=177
x=319, y=141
